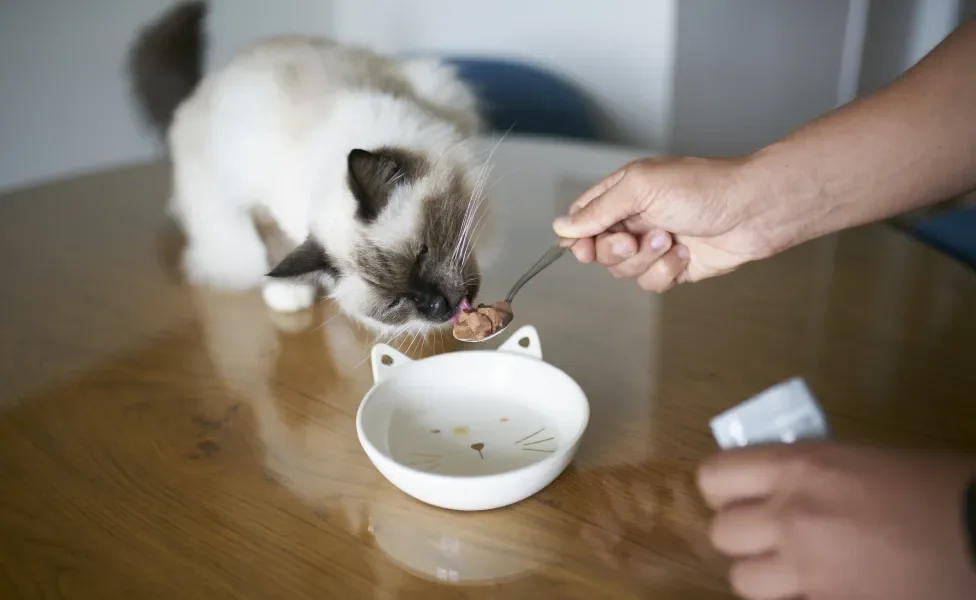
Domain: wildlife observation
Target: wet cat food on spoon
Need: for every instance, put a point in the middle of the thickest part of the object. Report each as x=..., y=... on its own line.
x=477, y=324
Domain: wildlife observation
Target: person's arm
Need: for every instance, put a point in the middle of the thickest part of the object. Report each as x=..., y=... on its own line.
x=909, y=145
x=970, y=516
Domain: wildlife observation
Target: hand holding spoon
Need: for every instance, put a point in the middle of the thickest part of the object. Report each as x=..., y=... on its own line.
x=485, y=322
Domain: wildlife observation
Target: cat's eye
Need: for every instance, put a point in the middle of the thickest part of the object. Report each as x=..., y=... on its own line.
x=396, y=301
x=423, y=250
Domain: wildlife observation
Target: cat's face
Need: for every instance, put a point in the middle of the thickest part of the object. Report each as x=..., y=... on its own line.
x=409, y=262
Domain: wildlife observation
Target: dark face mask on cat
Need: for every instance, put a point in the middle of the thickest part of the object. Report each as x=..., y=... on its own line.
x=421, y=279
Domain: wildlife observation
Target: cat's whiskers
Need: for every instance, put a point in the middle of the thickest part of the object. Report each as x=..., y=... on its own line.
x=470, y=242
x=362, y=362
x=502, y=177
x=403, y=330
x=477, y=197
x=471, y=222
x=334, y=299
x=329, y=320
x=397, y=332
x=474, y=242
x=416, y=337
x=337, y=297
x=469, y=214
x=412, y=338
x=499, y=142
x=455, y=253
x=388, y=342
x=481, y=189
x=423, y=339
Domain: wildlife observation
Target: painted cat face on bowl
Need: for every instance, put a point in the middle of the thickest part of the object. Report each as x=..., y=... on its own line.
x=482, y=442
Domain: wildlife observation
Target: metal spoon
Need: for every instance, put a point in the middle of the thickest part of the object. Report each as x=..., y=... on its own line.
x=551, y=255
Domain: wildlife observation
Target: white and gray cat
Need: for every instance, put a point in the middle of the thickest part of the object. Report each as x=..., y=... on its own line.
x=365, y=165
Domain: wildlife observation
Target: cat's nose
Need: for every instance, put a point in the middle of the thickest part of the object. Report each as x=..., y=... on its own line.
x=434, y=306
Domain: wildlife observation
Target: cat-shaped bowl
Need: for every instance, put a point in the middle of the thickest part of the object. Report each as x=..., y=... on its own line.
x=475, y=429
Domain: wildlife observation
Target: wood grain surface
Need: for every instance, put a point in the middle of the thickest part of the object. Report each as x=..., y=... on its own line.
x=161, y=441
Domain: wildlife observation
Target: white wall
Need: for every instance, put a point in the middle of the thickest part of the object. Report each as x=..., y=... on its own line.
x=692, y=75
x=748, y=72
x=232, y=23
x=64, y=105
x=620, y=51
x=687, y=76
x=900, y=32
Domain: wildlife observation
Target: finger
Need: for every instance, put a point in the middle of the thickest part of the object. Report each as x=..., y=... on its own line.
x=663, y=274
x=652, y=246
x=596, y=191
x=745, y=529
x=612, y=248
x=595, y=216
x=766, y=577
x=740, y=475
x=584, y=250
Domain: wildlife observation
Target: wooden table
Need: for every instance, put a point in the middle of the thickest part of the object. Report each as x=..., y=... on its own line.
x=159, y=441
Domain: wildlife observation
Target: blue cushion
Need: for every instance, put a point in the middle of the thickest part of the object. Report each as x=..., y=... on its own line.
x=527, y=99
x=953, y=232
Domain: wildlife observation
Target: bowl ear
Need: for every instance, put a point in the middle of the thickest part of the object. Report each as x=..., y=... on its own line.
x=524, y=341
x=384, y=359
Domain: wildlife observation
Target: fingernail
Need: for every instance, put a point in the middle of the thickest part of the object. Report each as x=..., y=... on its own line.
x=683, y=253
x=659, y=240
x=561, y=224
x=622, y=250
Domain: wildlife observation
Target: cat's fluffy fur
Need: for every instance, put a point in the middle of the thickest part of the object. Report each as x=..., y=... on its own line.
x=364, y=165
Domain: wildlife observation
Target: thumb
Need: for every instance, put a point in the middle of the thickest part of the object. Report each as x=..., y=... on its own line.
x=609, y=206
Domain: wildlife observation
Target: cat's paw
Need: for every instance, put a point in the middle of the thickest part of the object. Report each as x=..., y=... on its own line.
x=282, y=296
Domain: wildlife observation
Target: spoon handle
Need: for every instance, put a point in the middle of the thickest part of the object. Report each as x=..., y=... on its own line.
x=551, y=256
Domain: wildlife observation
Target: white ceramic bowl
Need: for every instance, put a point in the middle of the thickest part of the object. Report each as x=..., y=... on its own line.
x=475, y=429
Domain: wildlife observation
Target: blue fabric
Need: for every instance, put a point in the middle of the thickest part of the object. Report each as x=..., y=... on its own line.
x=527, y=99
x=953, y=232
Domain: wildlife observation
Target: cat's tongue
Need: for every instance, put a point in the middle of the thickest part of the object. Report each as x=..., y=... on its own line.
x=464, y=305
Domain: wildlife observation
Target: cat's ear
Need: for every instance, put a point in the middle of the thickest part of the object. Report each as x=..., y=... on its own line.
x=307, y=261
x=372, y=176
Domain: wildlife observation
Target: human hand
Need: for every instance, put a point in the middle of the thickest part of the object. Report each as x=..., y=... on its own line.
x=665, y=221
x=827, y=521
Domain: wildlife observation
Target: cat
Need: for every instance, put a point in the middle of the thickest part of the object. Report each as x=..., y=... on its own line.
x=366, y=166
